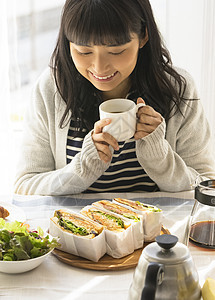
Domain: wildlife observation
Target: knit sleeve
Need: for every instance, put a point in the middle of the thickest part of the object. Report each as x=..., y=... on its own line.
x=175, y=154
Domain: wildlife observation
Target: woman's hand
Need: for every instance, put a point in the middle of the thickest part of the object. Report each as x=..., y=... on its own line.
x=103, y=140
x=148, y=120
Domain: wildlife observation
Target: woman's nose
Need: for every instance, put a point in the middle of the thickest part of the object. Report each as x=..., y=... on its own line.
x=100, y=63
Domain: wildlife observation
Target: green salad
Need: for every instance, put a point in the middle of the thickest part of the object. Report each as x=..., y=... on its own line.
x=17, y=242
x=150, y=208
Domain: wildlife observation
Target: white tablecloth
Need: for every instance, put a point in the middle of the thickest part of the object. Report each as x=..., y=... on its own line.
x=56, y=280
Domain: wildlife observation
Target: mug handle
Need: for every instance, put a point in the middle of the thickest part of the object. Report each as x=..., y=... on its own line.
x=139, y=105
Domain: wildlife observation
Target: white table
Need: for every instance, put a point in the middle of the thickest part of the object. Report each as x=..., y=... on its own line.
x=56, y=280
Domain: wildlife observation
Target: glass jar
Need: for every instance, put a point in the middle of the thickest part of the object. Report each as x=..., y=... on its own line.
x=202, y=219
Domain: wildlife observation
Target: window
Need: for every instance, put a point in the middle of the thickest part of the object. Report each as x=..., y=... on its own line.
x=28, y=33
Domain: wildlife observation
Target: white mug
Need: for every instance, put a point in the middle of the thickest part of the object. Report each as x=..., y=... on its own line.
x=123, y=115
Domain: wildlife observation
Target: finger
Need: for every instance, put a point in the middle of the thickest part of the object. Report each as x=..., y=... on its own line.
x=140, y=134
x=146, y=119
x=99, y=125
x=140, y=100
x=104, y=151
x=104, y=157
x=147, y=128
x=104, y=148
x=105, y=137
x=147, y=110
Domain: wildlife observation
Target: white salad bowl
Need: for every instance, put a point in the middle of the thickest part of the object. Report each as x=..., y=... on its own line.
x=21, y=266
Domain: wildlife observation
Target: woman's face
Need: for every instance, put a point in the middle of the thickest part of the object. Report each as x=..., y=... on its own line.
x=107, y=67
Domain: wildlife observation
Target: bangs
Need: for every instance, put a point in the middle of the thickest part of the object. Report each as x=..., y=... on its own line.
x=99, y=23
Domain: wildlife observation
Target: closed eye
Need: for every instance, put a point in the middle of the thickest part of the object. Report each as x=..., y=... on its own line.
x=117, y=53
x=83, y=53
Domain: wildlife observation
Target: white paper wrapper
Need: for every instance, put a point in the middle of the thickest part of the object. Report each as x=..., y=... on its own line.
x=118, y=244
x=92, y=249
x=137, y=228
x=152, y=222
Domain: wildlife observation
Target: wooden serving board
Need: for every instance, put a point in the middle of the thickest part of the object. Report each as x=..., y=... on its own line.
x=106, y=262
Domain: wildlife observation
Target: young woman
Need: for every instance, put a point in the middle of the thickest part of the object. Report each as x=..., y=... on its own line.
x=112, y=49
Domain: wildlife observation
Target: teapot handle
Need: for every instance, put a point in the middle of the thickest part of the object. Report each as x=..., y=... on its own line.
x=154, y=277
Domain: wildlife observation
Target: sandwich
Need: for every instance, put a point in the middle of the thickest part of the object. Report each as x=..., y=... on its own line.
x=76, y=224
x=78, y=235
x=118, y=209
x=106, y=219
x=118, y=231
x=152, y=215
x=135, y=219
x=137, y=205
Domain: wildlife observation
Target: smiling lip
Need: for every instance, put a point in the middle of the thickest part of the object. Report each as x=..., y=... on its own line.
x=104, y=78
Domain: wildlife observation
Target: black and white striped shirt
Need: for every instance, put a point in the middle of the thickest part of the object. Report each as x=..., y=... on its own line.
x=124, y=174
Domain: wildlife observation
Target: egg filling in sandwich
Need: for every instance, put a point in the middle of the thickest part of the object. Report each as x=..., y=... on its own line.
x=108, y=220
x=75, y=224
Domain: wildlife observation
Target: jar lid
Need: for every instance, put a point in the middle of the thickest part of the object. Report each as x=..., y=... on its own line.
x=205, y=192
x=158, y=251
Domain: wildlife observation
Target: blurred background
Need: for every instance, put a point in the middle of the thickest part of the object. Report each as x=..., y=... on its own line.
x=28, y=33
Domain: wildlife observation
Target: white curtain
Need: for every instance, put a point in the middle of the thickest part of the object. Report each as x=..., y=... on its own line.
x=4, y=69
x=4, y=96
x=208, y=62
x=188, y=28
x=7, y=50
x=9, y=71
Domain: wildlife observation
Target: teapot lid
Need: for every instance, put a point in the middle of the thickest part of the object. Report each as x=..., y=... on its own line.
x=167, y=250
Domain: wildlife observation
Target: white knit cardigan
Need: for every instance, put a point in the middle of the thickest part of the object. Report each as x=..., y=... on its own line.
x=172, y=155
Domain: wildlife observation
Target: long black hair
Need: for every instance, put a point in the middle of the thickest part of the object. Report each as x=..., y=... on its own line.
x=102, y=22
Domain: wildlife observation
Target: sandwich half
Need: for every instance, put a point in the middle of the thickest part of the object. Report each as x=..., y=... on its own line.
x=118, y=209
x=138, y=205
x=135, y=219
x=76, y=224
x=152, y=216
